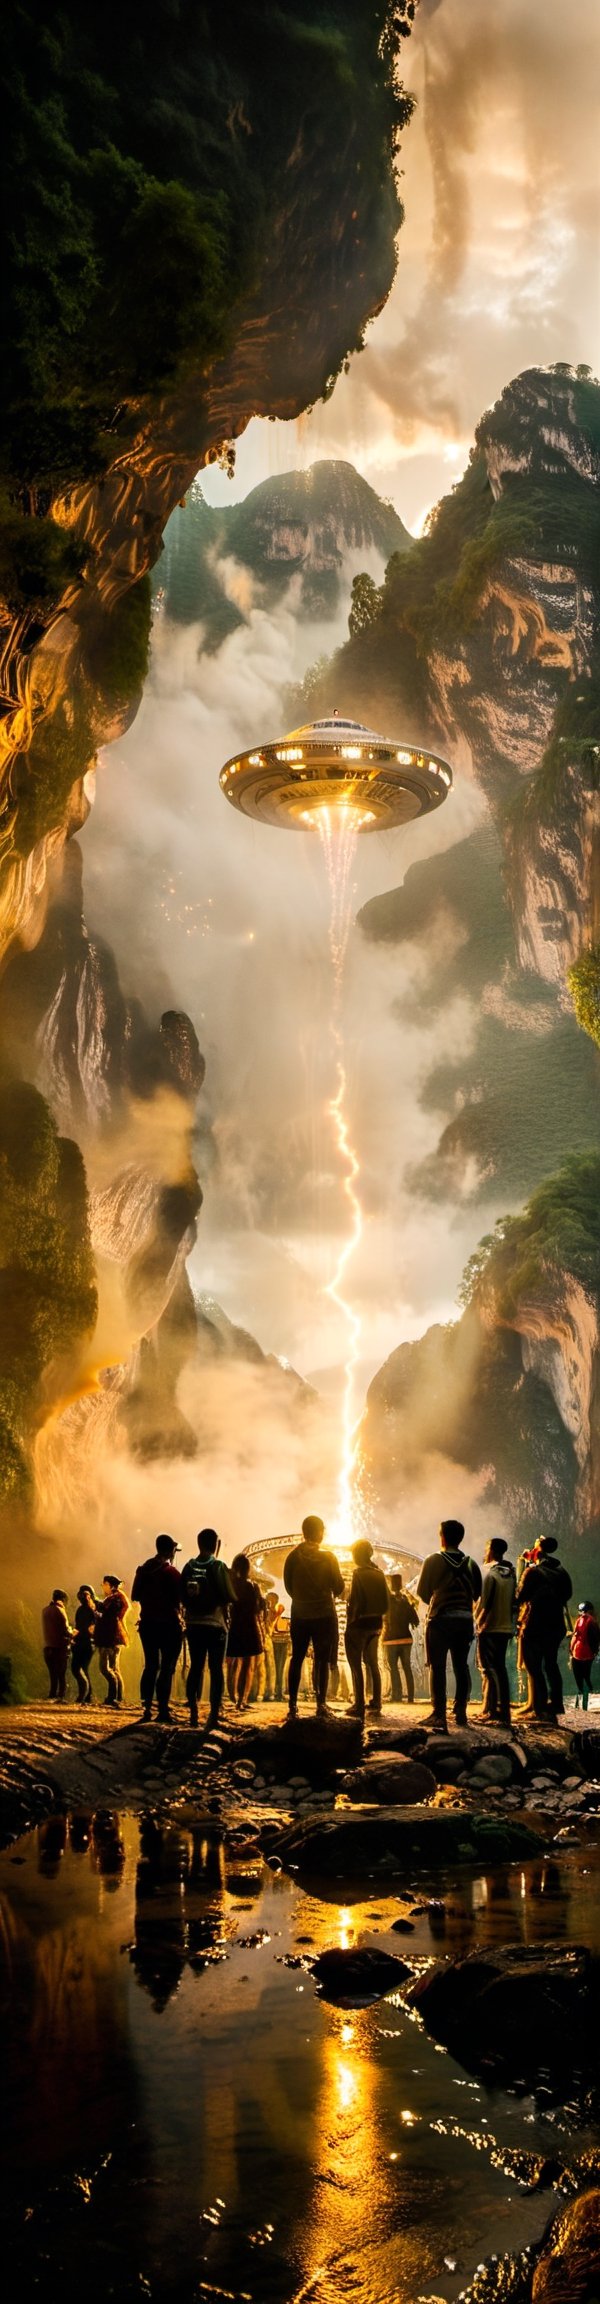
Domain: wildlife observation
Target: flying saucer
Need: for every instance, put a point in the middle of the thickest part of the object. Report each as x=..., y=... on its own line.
x=339, y=765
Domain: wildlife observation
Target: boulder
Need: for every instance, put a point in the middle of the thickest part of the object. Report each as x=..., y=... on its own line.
x=390, y=1776
x=587, y=1747
x=356, y=1977
x=395, y=1843
x=494, y=1768
x=519, y=2013
x=310, y=1748
x=568, y=2270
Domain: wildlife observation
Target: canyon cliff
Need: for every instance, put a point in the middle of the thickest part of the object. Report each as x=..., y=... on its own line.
x=208, y=212
x=317, y=526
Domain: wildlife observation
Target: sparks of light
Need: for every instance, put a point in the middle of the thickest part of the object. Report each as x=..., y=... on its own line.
x=338, y=829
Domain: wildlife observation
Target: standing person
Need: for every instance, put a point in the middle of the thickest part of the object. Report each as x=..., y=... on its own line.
x=57, y=1634
x=157, y=1587
x=400, y=1619
x=314, y=1581
x=450, y=1582
x=280, y=1635
x=207, y=1593
x=83, y=1644
x=495, y=1617
x=542, y=1597
x=110, y=1635
x=245, y=1638
x=584, y=1645
x=368, y=1600
x=265, y=1663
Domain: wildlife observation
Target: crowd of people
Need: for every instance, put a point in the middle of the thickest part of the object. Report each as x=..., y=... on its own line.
x=229, y=1627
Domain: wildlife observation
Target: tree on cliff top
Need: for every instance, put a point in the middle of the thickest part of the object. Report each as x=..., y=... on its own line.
x=150, y=159
x=558, y=1233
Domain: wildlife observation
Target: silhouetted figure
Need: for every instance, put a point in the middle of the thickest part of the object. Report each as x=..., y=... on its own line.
x=495, y=1624
x=245, y=1638
x=367, y=1603
x=314, y=1581
x=108, y=1847
x=207, y=1592
x=57, y=1634
x=280, y=1635
x=157, y=1587
x=158, y=1953
x=585, y=1642
x=542, y=1597
x=110, y=1635
x=52, y=1840
x=400, y=1620
x=86, y=1616
x=450, y=1582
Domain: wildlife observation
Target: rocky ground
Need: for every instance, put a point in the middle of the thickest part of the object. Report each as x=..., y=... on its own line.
x=261, y=1770
x=352, y=1814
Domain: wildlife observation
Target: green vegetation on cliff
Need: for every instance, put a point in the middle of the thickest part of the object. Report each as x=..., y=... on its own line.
x=524, y=494
x=146, y=162
x=557, y=1235
x=310, y=525
x=48, y=1296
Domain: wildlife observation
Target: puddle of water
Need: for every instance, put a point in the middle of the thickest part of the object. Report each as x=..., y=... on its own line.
x=187, y=2119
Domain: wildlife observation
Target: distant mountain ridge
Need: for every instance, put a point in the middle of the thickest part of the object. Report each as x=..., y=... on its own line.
x=313, y=525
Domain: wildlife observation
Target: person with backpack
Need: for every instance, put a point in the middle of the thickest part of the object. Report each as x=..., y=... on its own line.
x=542, y=1598
x=400, y=1621
x=494, y=1630
x=157, y=1587
x=451, y=1583
x=584, y=1645
x=207, y=1591
x=368, y=1600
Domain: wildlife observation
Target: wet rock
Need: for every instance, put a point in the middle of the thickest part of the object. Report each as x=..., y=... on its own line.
x=313, y=1748
x=568, y=2271
x=356, y=1977
x=494, y=1768
x=588, y=1751
x=389, y=1777
x=397, y=1842
x=524, y=2013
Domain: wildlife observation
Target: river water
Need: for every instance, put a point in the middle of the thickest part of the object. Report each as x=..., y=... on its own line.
x=188, y=2119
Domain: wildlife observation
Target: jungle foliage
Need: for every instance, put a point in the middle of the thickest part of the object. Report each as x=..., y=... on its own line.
x=144, y=159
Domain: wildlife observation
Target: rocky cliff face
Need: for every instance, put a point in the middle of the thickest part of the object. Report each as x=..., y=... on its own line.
x=222, y=230
x=317, y=525
x=486, y=643
x=511, y=1391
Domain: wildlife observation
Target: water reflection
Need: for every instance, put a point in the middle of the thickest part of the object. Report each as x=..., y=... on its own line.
x=270, y=2143
x=179, y=1914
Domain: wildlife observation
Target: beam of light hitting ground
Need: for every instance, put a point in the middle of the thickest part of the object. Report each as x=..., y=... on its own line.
x=338, y=829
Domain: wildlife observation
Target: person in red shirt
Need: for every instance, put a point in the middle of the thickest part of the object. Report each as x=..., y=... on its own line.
x=157, y=1586
x=584, y=1645
x=110, y=1635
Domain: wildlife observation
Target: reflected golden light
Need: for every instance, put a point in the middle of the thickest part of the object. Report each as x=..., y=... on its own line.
x=347, y=2084
x=346, y=2034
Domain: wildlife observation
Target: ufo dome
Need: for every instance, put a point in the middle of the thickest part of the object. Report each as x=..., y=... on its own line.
x=336, y=765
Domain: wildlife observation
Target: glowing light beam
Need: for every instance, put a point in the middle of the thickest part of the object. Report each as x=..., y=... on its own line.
x=338, y=830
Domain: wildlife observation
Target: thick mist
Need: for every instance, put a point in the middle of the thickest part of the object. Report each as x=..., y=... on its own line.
x=230, y=921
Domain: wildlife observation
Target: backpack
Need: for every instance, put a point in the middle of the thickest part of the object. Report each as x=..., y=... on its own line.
x=201, y=1590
